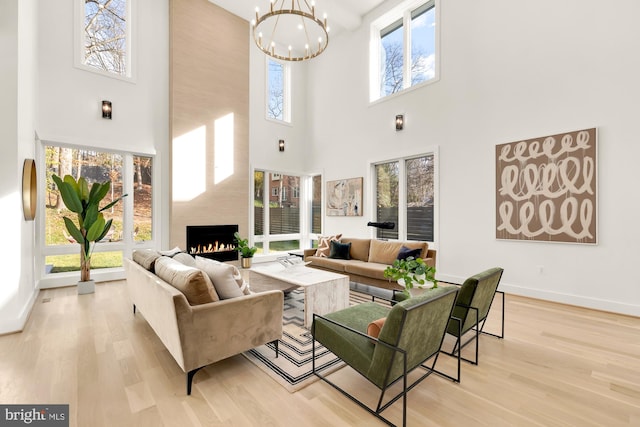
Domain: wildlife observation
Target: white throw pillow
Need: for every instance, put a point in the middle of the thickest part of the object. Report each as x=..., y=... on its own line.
x=226, y=278
x=185, y=259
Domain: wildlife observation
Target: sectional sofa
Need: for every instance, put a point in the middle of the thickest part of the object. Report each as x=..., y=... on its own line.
x=367, y=259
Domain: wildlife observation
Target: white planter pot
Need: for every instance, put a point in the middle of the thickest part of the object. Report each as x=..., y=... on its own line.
x=87, y=287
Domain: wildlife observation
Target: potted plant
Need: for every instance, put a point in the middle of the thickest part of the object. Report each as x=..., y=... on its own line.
x=91, y=227
x=409, y=271
x=246, y=251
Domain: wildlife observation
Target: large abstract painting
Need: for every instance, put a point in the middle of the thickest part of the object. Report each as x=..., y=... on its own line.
x=344, y=197
x=546, y=188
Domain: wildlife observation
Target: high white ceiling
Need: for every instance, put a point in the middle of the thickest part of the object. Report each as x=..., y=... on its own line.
x=342, y=14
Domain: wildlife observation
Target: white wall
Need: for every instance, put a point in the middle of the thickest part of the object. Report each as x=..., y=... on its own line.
x=509, y=71
x=17, y=104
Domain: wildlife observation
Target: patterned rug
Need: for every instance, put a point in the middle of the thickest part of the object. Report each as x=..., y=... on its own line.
x=292, y=368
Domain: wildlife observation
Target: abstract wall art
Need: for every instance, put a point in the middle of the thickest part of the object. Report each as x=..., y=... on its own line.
x=344, y=197
x=546, y=188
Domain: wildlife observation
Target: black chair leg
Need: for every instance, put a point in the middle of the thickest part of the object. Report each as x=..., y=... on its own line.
x=275, y=343
x=134, y=309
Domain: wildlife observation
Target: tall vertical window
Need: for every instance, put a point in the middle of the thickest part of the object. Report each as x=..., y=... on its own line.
x=387, y=197
x=405, y=195
x=404, y=50
x=60, y=250
x=283, y=212
x=142, y=198
x=278, y=99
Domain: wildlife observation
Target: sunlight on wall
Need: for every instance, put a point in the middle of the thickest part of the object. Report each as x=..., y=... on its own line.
x=223, y=151
x=189, y=165
x=10, y=253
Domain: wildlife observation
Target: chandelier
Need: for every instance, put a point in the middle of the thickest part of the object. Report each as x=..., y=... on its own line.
x=291, y=34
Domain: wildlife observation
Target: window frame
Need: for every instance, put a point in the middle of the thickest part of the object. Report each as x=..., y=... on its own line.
x=402, y=13
x=402, y=192
x=286, y=91
x=127, y=245
x=305, y=236
x=131, y=40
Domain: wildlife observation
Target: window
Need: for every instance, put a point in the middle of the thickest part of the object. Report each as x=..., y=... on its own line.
x=405, y=194
x=288, y=219
x=105, y=36
x=278, y=99
x=60, y=251
x=404, y=50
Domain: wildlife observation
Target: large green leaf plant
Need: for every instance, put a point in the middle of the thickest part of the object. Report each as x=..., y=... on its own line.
x=91, y=227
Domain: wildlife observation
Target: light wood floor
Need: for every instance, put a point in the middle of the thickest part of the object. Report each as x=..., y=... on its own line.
x=557, y=366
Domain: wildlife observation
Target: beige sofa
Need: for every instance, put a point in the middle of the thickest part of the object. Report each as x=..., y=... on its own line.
x=198, y=335
x=368, y=260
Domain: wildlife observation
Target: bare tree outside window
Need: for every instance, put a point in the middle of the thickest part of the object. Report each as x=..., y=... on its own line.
x=417, y=52
x=105, y=33
x=275, y=100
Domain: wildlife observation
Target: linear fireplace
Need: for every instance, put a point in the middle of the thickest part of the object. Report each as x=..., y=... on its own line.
x=212, y=241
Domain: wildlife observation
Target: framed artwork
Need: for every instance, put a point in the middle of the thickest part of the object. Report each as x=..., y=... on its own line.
x=546, y=188
x=344, y=197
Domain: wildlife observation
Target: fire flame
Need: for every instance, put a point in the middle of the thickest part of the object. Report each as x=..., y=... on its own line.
x=211, y=248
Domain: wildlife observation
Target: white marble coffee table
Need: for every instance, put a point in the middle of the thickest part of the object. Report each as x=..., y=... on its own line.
x=324, y=291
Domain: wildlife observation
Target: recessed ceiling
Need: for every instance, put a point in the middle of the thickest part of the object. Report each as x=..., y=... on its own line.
x=342, y=14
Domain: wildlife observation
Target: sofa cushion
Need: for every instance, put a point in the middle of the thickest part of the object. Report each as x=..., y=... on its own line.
x=185, y=258
x=406, y=252
x=336, y=265
x=373, y=270
x=385, y=252
x=323, y=244
x=339, y=250
x=146, y=258
x=359, y=248
x=193, y=283
x=226, y=278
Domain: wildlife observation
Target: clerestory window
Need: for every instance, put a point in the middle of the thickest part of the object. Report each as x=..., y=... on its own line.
x=404, y=48
x=104, y=41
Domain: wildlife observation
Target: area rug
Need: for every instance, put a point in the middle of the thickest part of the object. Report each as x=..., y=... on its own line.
x=292, y=368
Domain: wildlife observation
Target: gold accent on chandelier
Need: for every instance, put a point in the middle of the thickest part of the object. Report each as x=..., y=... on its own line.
x=294, y=34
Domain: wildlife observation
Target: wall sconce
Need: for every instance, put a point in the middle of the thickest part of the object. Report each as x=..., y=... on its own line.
x=281, y=145
x=399, y=122
x=106, y=110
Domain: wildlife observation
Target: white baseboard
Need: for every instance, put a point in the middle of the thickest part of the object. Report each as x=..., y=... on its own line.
x=17, y=324
x=563, y=298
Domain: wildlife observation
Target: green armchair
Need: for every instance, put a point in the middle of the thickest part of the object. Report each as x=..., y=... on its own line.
x=472, y=307
x=411, y=335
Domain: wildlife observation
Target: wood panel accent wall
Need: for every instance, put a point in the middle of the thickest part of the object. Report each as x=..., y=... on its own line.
x=209, y=80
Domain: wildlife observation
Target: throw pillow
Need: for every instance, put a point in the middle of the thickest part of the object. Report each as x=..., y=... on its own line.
x=185, y=258
x=374, y=328
x=193, y=283
x=339, y=250
x=146, y=258
x=323, y=244
x=225, y=277
x=406, y=252
x=171, y=252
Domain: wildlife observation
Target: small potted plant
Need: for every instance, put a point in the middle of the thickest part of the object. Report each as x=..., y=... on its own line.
x=410, y=271
x=246, y=251
x=91, y=226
